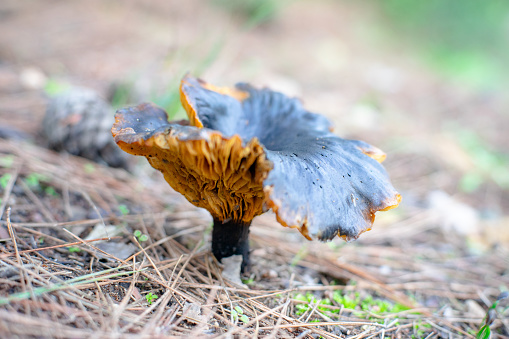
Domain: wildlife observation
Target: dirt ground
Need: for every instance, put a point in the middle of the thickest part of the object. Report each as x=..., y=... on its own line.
x=431, y=268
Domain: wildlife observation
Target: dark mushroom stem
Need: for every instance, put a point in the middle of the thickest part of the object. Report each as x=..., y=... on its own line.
x=231, y=238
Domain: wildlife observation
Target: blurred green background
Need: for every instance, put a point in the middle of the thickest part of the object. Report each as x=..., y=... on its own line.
x=463, y=40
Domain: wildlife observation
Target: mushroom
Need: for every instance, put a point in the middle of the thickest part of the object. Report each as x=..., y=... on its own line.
x=247, y=150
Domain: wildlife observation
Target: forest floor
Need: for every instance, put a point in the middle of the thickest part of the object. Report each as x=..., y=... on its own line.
x=91, y=251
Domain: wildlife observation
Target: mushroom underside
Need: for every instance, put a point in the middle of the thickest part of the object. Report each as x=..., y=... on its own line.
x=248, y=150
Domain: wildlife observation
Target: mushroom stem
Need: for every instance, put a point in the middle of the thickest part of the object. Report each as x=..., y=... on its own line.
x=231, y=238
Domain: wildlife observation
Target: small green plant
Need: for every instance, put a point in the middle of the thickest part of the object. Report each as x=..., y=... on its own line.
x=74, y=249
x=33, y=180
x=151, y=297
x=301, y=308
x=238, y=313
x=140, y=236
x=378, y=306
x=4, y=180
x=50, y=191
x=420, y=329
x=249, y=280
x=485, y=330
x=348, y=301
x=124, y=210
x=310, y=299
